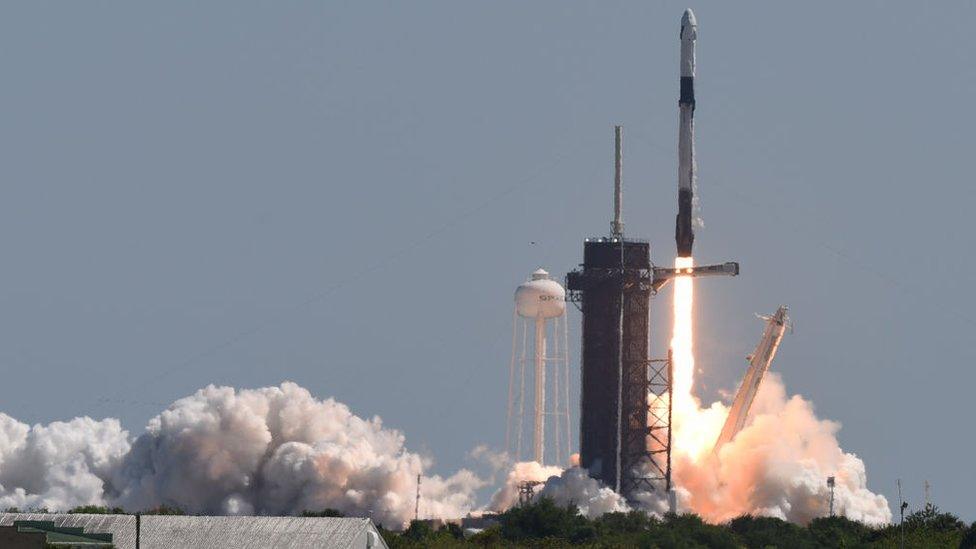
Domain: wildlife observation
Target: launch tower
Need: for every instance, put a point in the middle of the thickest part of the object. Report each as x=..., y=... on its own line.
x=624, y=437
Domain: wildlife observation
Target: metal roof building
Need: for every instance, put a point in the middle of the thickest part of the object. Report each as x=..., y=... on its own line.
x=122, y=527
x=169, y=531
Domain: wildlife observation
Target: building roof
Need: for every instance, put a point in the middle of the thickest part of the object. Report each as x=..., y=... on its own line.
x=171, y=531
x=122, y=527
x=165, y=531
x=64, y=535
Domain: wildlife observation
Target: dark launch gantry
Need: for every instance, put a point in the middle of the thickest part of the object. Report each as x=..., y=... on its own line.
x=624, y=435
x=625, y=395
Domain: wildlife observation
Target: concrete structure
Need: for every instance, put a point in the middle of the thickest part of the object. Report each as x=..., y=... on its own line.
x=170, y=532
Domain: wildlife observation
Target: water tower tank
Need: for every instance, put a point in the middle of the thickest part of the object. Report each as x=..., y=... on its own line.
x=540, y=296
x=540, y=307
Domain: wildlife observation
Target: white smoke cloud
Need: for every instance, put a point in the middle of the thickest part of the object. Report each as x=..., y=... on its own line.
x=275, y=450
x=278, y=450
x=58, y=466
x=592, y=497
x=524, y=471
x=564, y=487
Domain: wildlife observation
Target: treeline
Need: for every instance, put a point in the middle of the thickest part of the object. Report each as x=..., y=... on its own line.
x=546, y=525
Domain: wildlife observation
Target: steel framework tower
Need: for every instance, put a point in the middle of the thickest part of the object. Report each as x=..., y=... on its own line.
x=625, y=427
x=613, y=291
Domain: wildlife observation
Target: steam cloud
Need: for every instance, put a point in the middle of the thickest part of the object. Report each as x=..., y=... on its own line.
x=776, y=466
x=58, y=466
x=275, y=450
x=279, y=450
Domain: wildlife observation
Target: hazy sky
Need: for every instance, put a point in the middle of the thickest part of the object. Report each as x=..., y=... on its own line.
x=345, y=195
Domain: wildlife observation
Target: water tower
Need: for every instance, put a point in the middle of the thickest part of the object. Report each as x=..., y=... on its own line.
x=540, y=306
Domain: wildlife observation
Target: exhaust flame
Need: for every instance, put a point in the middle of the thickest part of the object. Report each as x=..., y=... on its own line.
x=776, y=466
x=691, y=438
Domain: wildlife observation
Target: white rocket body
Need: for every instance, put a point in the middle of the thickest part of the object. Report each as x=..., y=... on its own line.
x=683, y=233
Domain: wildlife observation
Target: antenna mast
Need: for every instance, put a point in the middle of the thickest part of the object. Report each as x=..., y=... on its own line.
x=831, y=482
x=416, y=505
x=617, y=226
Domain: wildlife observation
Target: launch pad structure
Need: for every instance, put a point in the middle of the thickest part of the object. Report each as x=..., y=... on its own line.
x=625, y=418
x=625, y=395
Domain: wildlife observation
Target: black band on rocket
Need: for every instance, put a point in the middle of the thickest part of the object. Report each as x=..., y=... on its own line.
x=687, y=90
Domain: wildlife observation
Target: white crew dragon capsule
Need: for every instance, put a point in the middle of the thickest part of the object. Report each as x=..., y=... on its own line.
x=683, y=234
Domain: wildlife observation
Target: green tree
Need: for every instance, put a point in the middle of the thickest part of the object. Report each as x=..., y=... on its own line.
x=489, y=537
x=545, y=519
x=930, y=518
x=689, y=530
x=770, y=532
x=968, y=540
x=96, y=510
x=629, y=523
x=419, y=530
x=327, y=512
x=839, y=532
x=164, y=510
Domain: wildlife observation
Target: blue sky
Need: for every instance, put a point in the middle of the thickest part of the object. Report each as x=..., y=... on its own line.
x=346, y=195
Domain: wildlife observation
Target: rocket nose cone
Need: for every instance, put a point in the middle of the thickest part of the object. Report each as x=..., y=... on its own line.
x=689, y=26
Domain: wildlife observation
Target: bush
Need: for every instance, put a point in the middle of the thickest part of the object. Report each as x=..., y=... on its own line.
x=545, y=519
x=931, y=519
x=327, y=512
x=767, y=532
x=839, y=532
x=969, y=538
x=164, y=510
x=96, y=510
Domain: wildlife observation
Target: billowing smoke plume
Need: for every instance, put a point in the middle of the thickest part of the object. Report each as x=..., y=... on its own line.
x=776, y=466
x=275, y=450
x=525, y=471
x=60, y=465
x=592, y=497
x=279, y=450
x=564, y=487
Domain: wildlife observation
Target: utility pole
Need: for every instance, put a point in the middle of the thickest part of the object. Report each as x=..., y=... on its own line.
x=901, y=509
x=416, y=505
x=831, y=482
